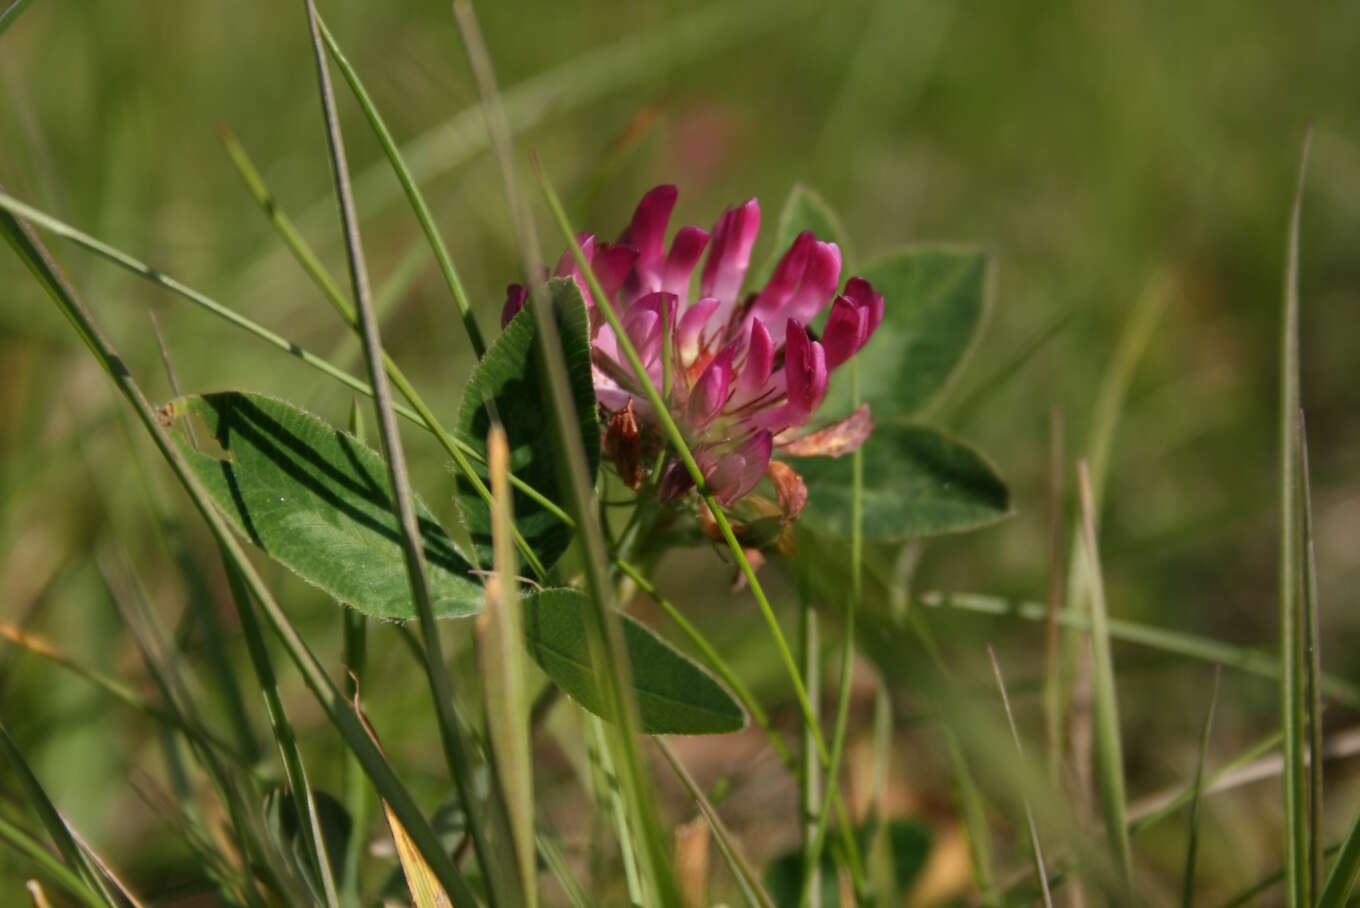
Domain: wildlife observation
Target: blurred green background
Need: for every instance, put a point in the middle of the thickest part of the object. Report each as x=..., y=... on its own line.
x=1102, y=152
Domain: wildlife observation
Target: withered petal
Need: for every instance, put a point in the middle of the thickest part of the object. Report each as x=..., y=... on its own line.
x=841, y=437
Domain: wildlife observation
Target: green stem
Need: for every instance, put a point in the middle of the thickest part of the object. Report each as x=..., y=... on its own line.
x=408, y=185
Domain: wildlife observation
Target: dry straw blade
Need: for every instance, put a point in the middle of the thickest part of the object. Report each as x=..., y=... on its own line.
x=500, y=652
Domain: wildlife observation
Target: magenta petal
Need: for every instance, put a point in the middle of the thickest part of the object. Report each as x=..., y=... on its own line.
x=675, y=481
x=788, y=274
x=688, y=245
x=611, y=264
x=805, y=372
x=859, y=290
x=819, y=283
x=647, y=231
x=847, y=327
x=755, y=372
x=689, y=333
x=729, y=255
x=709, y=394
x=515, y=295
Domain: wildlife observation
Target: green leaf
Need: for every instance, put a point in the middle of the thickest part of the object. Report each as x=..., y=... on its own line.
x=505, y=387
x=917, y=482
x=675, y=696
x=935, y=301
x=281, y=819
x=319, y=503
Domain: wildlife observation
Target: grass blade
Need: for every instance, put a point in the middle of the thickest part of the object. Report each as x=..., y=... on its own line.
x=62, y=836
x=23, y=842
x=500, y=651
x=1337, y=892
x=1109, y=755
x=1312, y=664
x=741, y=869
x=1036, y=853
x=604, y=632
x=1161, y=639
x=11, y=13
x=441, y=686
x=293, y=768
x=40, y=263
x=355, y=663
x=1191, y=849
x=408, y=185
x=1291, y=694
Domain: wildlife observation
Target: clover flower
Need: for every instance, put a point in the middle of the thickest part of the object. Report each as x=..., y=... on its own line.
x=740, y=376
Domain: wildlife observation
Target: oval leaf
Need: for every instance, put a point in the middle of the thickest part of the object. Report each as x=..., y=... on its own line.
x=319, y=503
x=935, y=301
x=917, y=482
x=505, y=386
x=674, y=695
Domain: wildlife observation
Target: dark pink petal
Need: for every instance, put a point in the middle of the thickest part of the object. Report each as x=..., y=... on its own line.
x=755, y=372
x=730, y=253
x=611, y=264
x=709, y=394
x=783, y=283
x=805, y=373
x=675, y=481
x=647, y=231
x=515, y=295
x=860, y=291
x=689, y=334
x=819, y=283
x=847, y=327
x=686, y=248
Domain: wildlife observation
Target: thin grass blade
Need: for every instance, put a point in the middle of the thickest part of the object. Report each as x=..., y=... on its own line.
x=1192, y=848
x=1036, y=852
x=1312, y=663
x=441, y=685
x=1292, y=720
x=1109, y=750
x=1341, y=881
x=408, y=185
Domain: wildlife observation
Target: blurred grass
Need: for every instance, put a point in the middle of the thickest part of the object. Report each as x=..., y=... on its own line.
x=1089, y=148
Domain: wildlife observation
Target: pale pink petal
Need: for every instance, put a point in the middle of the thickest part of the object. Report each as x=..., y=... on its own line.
x=709, y=394
x=841, y=437
x=689, y=334
x=729, y=255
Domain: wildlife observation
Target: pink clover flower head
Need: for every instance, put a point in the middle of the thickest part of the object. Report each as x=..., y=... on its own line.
x=740, y=376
